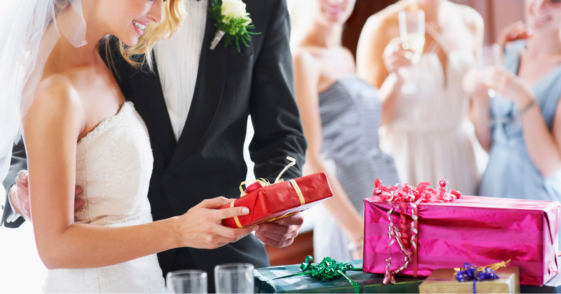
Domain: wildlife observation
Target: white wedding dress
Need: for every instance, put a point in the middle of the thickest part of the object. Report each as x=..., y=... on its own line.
x=114, y=165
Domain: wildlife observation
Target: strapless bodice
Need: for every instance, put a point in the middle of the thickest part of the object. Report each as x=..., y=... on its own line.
x=113, y=167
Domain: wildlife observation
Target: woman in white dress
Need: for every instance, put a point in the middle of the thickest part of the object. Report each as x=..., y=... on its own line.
x=428, y=131
x=80, y=131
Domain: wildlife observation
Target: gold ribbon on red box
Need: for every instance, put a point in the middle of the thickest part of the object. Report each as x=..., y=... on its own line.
x=269, y=202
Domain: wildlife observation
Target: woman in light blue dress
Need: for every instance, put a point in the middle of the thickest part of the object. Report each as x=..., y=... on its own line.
x=523, y=130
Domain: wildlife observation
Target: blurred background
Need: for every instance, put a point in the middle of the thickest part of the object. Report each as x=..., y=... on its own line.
x=19, y=258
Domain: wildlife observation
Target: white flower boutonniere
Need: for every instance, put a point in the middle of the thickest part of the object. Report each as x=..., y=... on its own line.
x=232, y=21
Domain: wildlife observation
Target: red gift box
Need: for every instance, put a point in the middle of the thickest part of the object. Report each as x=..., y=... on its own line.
x=268, y=203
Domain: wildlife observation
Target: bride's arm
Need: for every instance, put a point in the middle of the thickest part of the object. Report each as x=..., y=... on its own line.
x=51, y=128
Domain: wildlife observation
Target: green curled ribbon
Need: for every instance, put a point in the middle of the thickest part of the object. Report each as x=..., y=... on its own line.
x=328, y=269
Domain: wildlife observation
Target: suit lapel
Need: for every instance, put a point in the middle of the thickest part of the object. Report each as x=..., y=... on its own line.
x=150, y=104
x=213, y=69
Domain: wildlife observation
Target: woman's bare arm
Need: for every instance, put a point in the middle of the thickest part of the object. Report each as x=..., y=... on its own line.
x=480, y=112
x=306, y=74
x=51, y=129
x=373, y=59
x=544, y=146
x=374, y=38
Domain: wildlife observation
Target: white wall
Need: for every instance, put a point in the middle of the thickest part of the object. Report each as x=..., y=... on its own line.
x=21, y=270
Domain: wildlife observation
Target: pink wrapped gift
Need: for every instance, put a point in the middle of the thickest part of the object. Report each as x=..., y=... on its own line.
x=478, y=230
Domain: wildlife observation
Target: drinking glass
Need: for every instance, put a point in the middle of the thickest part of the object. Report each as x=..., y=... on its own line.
x=187, y=281
x=412, y=34
x=489, y=56
x=234, y=278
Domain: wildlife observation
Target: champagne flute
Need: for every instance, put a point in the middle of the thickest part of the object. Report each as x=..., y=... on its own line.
x=489, y=56
x=234, y=278
x=412, y=34
x=187, y=281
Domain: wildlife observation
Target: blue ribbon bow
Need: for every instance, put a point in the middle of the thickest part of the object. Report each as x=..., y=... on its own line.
x=472, y=273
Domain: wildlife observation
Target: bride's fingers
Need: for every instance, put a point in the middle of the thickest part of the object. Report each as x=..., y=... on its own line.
x=214, y=202
x=230, y=212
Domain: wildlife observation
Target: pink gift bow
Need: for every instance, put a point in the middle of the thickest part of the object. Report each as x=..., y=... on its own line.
x=403, y=194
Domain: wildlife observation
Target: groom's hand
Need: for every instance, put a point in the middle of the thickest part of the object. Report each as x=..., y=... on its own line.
x=19, y=195
x=280, y=233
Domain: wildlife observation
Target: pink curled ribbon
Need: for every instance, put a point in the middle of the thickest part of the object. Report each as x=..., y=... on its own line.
x=399, y=196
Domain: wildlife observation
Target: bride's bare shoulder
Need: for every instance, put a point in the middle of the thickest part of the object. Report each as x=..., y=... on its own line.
x=55, y=99
x=57, y=90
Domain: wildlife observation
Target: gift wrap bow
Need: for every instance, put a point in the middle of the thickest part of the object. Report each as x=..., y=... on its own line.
x=261, y=183
x=472, y=273
x=398, y=197
x=328, y=269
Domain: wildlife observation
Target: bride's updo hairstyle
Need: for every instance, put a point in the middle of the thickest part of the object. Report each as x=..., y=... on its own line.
x=141, y=54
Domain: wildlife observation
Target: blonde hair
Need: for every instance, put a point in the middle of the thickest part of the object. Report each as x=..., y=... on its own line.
x=141, y=53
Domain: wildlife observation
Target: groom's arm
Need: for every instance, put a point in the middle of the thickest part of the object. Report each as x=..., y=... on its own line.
x=276, y=120
x=274, y=113
x=19, y=162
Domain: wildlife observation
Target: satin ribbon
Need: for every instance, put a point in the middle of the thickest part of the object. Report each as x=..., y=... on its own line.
x=266, y=183
x=399, y=196
x=328, y=269
x=472, y=273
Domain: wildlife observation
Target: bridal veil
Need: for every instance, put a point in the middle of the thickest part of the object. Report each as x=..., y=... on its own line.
x=29, y=30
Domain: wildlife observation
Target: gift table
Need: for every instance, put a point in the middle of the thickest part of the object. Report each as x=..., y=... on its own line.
x=265, y=282
x=369, y=283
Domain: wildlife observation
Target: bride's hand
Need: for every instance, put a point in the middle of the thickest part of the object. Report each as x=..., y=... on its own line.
x=201, y=227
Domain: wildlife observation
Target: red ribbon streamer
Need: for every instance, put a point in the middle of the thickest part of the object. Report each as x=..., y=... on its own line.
x=404, y=194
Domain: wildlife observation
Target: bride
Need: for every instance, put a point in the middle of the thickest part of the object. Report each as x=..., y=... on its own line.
x=79, y=130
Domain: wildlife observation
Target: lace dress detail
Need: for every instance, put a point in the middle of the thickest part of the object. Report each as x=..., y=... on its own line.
x=113, y=166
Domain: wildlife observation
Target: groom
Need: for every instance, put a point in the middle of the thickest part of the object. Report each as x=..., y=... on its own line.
x=196, y=105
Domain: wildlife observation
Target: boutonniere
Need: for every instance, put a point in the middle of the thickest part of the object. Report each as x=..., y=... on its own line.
x=233, y=23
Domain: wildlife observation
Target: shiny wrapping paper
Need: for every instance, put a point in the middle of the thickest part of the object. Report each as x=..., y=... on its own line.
x=443, y=281
x=267, y=281
x=280, y=199
x=479, y=230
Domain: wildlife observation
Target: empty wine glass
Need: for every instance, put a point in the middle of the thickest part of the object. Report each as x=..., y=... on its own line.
x=489, y=56
x=234, y=278
x=412, y=34
x=187, y=281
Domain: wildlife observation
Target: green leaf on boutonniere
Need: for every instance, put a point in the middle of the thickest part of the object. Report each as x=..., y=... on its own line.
x=231, y=17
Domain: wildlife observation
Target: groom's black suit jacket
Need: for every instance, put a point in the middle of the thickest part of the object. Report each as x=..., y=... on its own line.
x=207, y=161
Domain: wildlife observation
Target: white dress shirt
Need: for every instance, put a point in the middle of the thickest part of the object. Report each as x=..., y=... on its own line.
x=178, y=63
